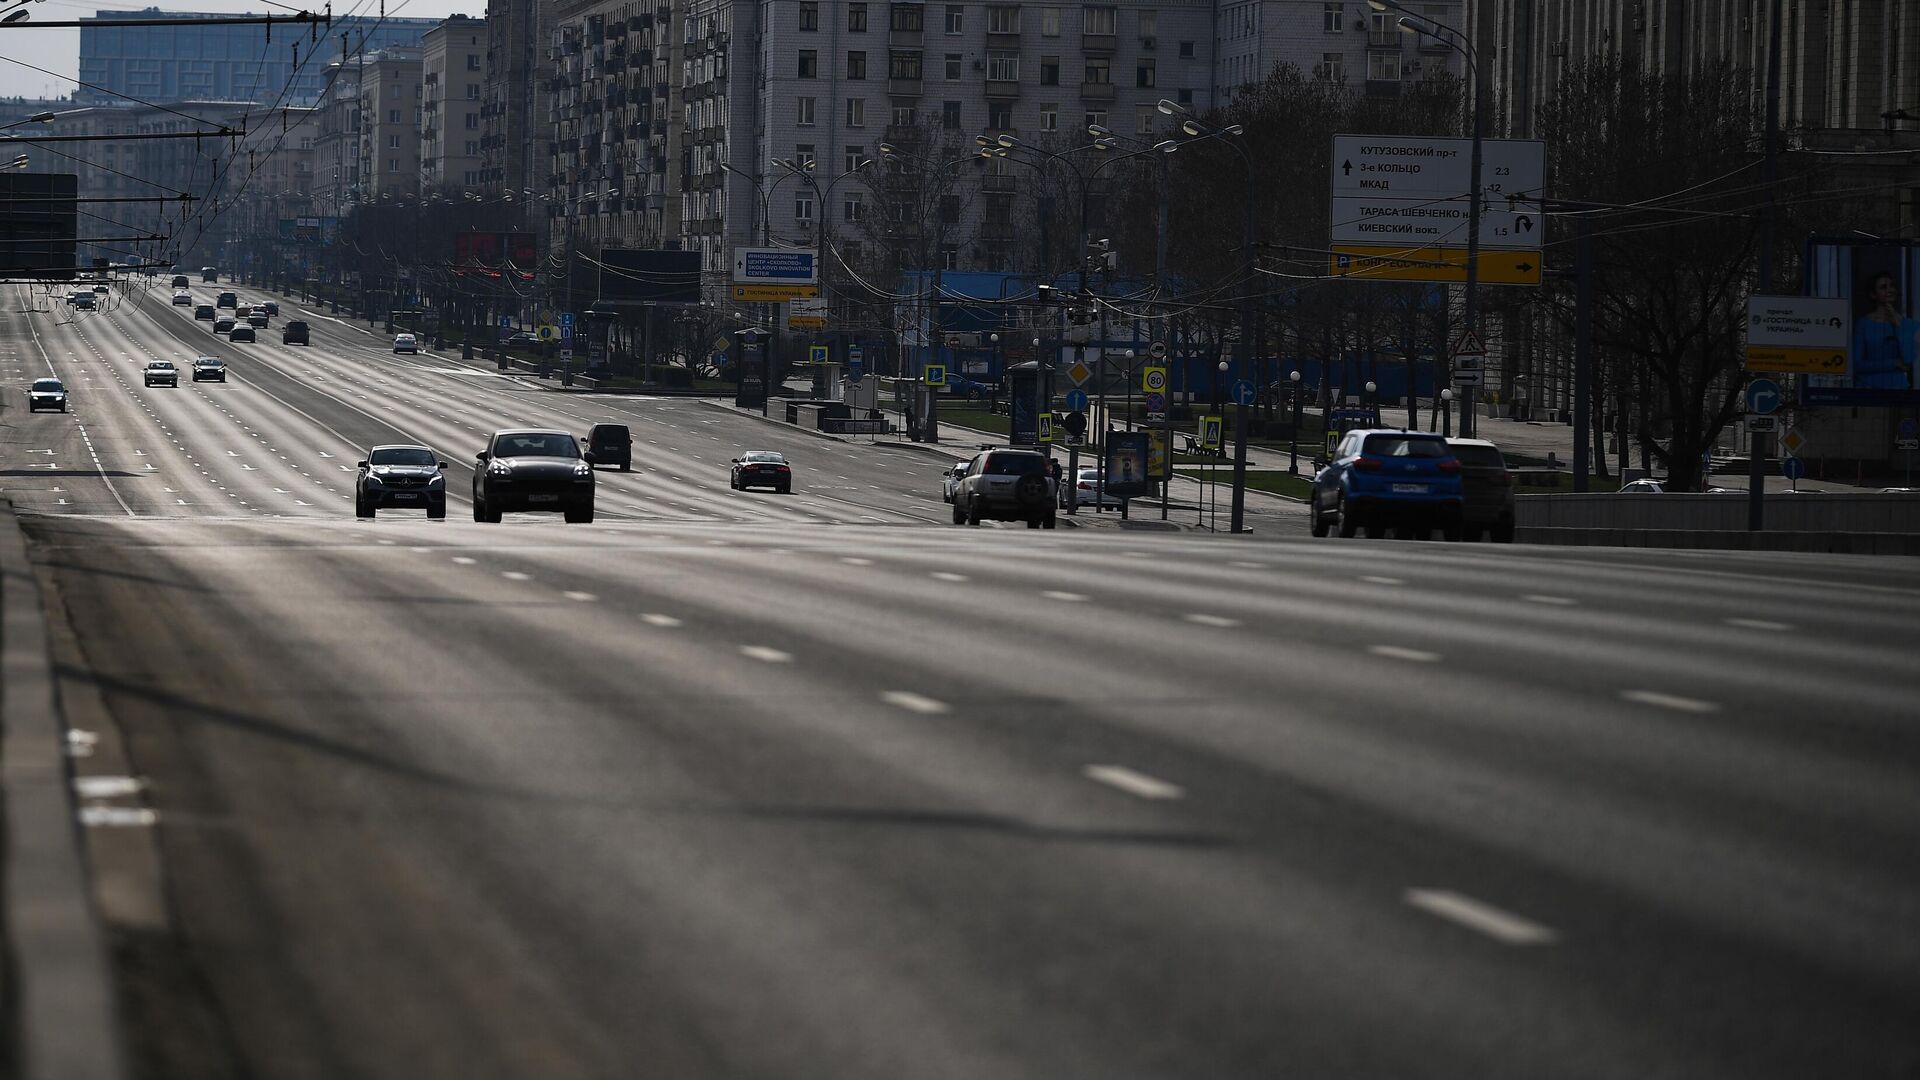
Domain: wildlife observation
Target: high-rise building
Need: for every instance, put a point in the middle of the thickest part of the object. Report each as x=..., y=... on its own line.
x=1336, y=41
x=223, y=63
x=392, y=105
x=453, y=74
x=336, y=145
x=514, y=125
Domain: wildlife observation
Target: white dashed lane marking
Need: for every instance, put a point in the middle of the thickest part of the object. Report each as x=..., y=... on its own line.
x=1502, y=926
x=1133, y=783
x=1669, y=701
x=912, y=702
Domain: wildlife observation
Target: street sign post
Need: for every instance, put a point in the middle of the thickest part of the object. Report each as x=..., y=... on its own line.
x=1076, y=400
x=1401, y=208
x=806, y=313
x=817, y=354
x=1153, y=380
x=1799, y=335
x=1791, y=441
x=1079, y=373
x=1046, y=427
x=1793, y=469
x=772, y=294
x=1436, y=265
x=1244, y=395
x=775, y=266
x=936, y=374
x=1763, y=397
x=1762, y=423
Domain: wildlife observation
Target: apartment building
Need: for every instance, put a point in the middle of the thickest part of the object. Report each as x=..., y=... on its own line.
x=392, y=105
x=514, y=127
x=1337, y=41
x=336, y=145
x=266, y=187
x=452, y=78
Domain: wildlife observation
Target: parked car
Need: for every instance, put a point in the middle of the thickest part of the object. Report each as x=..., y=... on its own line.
x=203, y=312
x=406, y=343
x=183, y=298
x=180, y=281
x=209, y=369
x=959, y=385
x=271, y=307
x=1379, y=479
x=1006, y=485
x=1486, y=488
x=402, y=476
x=47, y=394
x=1087, y=490
x=761, y=468
x=241, y=332
x=611, y=444
x=530, y=469
x=1642, y=487
x=226, y=300
x=950, y=480
x=223, y=325
x=161, y=373
x=294, y=333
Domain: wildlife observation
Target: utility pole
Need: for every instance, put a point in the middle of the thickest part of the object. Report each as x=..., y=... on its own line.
x=1756, y=441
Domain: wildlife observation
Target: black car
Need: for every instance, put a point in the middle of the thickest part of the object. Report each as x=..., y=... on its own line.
x=241, y=332
x=611, y=444
x=204, y=312
x=522, y=340
x=226, y=299
x=1486, y=488
x=224, y=324
x=271, y=307
x=210, y=368
x=530, y=469
x=404, y=476
x=294, y=333
x=761, y=468
x=180, y=281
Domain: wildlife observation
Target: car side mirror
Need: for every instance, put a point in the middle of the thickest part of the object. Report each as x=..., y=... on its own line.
x=587, y=457
x=484, y=455
x=735, y=461
x=443, y=466
x=362, y=464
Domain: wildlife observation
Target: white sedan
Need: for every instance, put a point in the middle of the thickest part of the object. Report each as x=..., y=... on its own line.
x=162, y=373
x=406, y=343
x=1086, y=491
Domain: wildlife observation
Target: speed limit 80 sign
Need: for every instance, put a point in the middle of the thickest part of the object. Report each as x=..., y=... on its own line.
x=1153, y=380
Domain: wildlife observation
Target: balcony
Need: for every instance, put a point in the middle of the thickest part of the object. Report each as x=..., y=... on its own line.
x=1003, y=41
x=1097, y=43
x=908, y=38
x=1005, y=89
x=990, y=182
x=1096, y=91
x=1384, y=39
x=904, y=87
x=1383, y=88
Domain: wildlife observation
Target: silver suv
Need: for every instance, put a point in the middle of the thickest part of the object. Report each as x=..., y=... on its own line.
x=1006, y=485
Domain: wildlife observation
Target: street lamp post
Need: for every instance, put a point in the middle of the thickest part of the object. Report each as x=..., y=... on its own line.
x=1293, y=464
x=1372, y=409
x=1446, y=412
x=1410, y=23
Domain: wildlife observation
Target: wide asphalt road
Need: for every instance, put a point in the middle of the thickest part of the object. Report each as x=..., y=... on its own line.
x=820, y=786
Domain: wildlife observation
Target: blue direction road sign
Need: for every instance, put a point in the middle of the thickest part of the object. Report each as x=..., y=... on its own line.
x=1793, y=468
x=1763, y=396
x=1910, y=428
x=1076, y=401
x=1243, y=392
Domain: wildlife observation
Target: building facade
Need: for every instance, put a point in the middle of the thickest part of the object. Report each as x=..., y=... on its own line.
x=1337, y=41
x=392, y=106
x=453, y=73
x=224, y=63
x=514, y=123
x=336, y=144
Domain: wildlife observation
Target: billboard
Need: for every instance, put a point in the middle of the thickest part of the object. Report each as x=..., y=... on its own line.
x=486, y=248
x=1880, y=281
x=1126, y=464
x=644, y=276
x=37, y=237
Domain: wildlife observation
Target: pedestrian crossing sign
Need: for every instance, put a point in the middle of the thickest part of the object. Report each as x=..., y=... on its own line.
x=1046, y=427
x=816, y=354
x=936, y=374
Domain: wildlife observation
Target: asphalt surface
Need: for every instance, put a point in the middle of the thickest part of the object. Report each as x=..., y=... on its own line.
x=821, y=785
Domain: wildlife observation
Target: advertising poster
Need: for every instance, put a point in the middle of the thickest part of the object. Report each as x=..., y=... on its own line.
x=1126, y=464
x=1159, y=462
x=1880, y=279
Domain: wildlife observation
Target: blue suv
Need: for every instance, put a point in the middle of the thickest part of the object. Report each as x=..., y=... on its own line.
x=1405, y=480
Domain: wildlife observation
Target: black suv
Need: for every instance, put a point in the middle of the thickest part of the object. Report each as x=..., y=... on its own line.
x=203, y=312
x=529, y=469
x=611, y=444
x=294, y=333
x=1006, y=485
x=405, y=476
x=1486, y=488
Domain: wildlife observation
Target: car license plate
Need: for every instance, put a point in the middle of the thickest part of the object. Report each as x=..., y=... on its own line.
x=543, y=498
x=405, y=495
x=1409, y=489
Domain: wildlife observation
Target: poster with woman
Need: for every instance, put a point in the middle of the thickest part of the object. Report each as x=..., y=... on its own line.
x=1881, y=282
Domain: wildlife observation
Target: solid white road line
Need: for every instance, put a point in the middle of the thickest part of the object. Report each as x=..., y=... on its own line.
x=1669, y=701
x=1759, y=624
x=851, y=561
x=1502, y=926
x=766, y=654
x=1133, y=783
x=912, y=702
x=1396, y=652
x=463, y=560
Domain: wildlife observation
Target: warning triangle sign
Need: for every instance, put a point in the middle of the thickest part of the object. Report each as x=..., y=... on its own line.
x=1469, y=345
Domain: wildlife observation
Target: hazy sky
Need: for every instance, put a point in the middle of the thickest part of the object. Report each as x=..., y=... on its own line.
x=58, y=51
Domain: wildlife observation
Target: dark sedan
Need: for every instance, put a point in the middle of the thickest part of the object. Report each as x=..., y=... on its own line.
x=533, y=470
x=404, y=476
x=761, y=468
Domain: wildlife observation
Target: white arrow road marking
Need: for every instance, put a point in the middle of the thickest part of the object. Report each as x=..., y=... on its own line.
x=248, y=467
x=151, y=467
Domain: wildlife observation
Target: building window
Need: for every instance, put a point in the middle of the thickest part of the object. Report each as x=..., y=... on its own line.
x=857, y=65
x=1099, y=20
x=1003, y=66
x=473, y=91
x=907, y=18
x=1143, y=75
x=803, y=112
x=905, y=65
x=1096, y=117
x=857, y=18
x=856, y=112
x=1331, y=21
x=803, y=207
x=950, y=115
x=809, y=15
x=950, y=257
x=956, y=19
x=1149, y=24
x=803, y=155
x=854, y=207
x=1099, y=70
x=1143, y=121
x=1383, y=66
x=903, y=116
x=855, y=155
x=393, y=116
x=1049, y=71
x=393, y=164
x=1049, y=118
x=1186, y=50
x=1003, y=19
x=953, y=67
x=1332, y=66
x=473, y=121
x=1050, y=22
x=1000, y=115
x=809, y=64
x=949, y=209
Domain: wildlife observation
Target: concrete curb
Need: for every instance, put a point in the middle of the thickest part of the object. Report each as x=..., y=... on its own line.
x=60, y=992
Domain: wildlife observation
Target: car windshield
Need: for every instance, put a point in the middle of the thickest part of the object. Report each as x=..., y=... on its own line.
x=535, y=444
x=1406, y=446
x=762, y=455
x=402, y=455
x=168, y=364
x=209, y=361
x=1487, y=457
x=47, y=384
x=1016, y=465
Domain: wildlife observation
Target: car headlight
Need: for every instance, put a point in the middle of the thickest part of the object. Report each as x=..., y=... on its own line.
x=499, y=469
x=582, y=469
x=436, y=480
x=373, y=480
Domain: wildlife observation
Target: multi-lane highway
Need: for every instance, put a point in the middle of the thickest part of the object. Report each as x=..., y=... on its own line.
x=743, y=785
